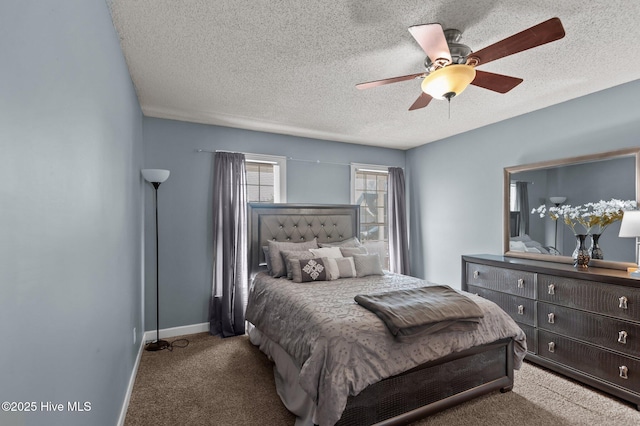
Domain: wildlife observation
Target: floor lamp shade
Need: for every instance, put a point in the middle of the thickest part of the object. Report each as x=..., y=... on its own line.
x=156, y=177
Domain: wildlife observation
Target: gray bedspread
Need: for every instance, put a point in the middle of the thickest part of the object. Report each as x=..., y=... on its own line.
x=423, y=310
x=341, y=347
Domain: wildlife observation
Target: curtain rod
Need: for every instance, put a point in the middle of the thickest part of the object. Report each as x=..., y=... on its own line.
x=302, y=160
x=217, y=150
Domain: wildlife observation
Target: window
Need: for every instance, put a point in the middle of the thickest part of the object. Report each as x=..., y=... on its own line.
x=513, y=197
x=369, y=191
x=266, y=178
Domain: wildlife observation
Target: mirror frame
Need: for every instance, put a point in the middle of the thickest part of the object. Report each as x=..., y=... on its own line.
x=508, y=171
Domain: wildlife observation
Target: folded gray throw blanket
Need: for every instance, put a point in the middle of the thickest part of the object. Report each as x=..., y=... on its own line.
x=424, y=310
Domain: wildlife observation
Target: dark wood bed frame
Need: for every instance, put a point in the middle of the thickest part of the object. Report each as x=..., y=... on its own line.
x=409, y=396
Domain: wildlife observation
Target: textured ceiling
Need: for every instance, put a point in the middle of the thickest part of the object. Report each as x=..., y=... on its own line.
x=291, y=66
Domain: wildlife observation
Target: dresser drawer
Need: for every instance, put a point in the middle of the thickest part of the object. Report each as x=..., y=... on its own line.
x=522, y=310
x=614, y=300
x=519, y=283
x=611, y=333
x=593, y=361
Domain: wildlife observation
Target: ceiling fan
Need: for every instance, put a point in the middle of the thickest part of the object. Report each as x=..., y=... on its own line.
x=451, y=66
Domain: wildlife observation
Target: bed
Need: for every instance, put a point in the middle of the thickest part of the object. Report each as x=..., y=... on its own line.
x=336, y=362
x=524, y=244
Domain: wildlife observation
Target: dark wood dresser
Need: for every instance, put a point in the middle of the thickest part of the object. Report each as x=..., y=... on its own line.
x=584, y=324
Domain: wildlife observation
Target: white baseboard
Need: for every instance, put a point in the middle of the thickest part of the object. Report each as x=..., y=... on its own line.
x=150, y=336
x=132, y=380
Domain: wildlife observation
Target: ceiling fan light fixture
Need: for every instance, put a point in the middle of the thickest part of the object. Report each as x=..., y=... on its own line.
x=447, y=82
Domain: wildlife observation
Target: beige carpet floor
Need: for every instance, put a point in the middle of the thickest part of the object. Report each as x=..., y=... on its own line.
x=217, y=381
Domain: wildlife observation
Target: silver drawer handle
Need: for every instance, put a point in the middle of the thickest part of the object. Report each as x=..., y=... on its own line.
x=552, y=318
x=476, y=274
x=622, y=337
x=552, y=347
x=624, y=372
x=552, y=289
x=520, y=310
x=520, y=282
x=623, y=302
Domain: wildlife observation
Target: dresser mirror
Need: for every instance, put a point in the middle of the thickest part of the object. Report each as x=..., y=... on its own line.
x=578, y=180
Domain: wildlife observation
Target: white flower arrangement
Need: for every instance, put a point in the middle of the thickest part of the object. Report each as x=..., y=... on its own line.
x=604, y=213
x=593, y=217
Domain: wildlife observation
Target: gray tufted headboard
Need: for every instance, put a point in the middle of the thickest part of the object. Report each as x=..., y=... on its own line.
x=297, y=222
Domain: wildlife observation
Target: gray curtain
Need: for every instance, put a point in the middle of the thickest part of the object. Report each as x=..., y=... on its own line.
x=522, y=205
x=230, y=271
x=397, y=217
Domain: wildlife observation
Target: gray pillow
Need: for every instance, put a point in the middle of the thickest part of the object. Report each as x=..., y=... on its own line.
x=349, y=242
x=288, y=256
x=307, y=270
x=350, y=251
x=367, y=264
x=267, y=259
x=278, y=268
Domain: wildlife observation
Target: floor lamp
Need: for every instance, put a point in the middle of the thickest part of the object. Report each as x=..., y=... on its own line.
x=557, y=201
x=156, y=177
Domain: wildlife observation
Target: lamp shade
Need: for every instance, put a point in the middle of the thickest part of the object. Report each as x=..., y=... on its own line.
x=557, y=200
x=444, y=83
x=155, y=175
x=630, y=226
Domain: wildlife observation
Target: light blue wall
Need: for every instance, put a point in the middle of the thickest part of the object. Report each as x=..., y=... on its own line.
x=456, y=184
x=70, y=212
x=185, y=211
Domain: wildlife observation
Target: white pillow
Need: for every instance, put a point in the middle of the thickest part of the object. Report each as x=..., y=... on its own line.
x=341, y=267
x=517, y=246
x=349, y=242
x=328, y=252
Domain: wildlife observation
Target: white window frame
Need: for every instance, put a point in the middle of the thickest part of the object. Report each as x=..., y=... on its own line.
x=280, y=173
x=376, y=168
x=363, y=167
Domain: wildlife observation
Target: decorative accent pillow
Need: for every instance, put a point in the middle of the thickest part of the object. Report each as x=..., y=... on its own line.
x=367, y=264
x=307, y=270
x=278, y=267
x=350, y=251
x=341, y=267
x=290, y=256
x=331, y=252
x=349, y=242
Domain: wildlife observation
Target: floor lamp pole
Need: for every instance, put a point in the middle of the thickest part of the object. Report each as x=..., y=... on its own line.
x=557, y=201
x=156, y=177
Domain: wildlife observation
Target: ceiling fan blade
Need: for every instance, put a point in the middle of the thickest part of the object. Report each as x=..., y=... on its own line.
x=496, y=82
x=431, y=38
x=537, y=35
x=377, y=83
x=422, y=101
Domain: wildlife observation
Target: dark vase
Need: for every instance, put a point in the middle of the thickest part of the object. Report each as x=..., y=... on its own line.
x=581, y=256
x=595, y=250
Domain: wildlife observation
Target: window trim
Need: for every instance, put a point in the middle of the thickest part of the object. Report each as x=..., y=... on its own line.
x=281, y=176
